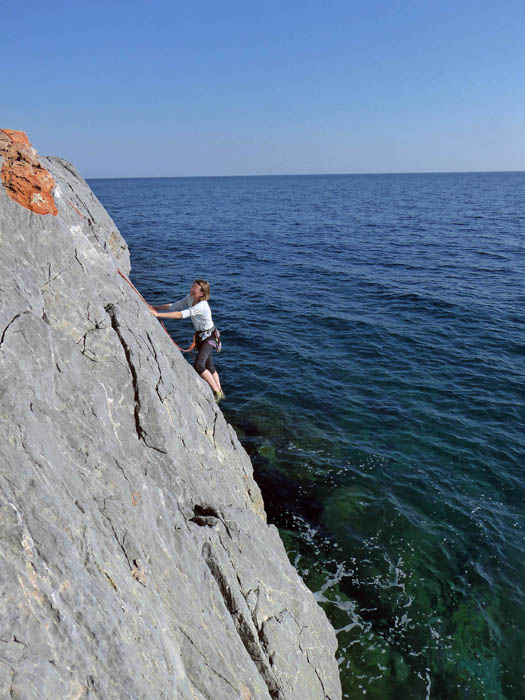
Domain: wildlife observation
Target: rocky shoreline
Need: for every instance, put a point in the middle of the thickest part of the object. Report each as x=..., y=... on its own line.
x=136, y=557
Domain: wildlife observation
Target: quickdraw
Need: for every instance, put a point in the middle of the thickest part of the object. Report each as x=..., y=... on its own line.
x=192, y=346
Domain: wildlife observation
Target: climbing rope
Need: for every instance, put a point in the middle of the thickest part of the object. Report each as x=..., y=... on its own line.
x=161, y=323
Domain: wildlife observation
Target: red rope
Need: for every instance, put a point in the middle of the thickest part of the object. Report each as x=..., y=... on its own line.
x=161, y=323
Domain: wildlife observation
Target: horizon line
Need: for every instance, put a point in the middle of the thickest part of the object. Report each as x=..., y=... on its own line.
x=364, y=174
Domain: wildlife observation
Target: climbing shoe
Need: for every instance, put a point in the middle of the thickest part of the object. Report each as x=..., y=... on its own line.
x=219, y=396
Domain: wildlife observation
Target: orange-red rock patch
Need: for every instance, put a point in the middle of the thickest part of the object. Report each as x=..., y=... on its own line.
x=24, y=179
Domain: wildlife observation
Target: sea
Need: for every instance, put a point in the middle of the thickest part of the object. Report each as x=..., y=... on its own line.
x=373, y=362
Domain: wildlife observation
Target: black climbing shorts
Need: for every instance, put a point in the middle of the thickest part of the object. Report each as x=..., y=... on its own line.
x=204, y=359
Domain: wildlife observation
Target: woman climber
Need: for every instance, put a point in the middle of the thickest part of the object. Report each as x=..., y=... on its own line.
x=196, y=307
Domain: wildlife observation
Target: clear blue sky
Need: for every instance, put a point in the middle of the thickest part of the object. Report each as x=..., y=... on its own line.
x=166, y=88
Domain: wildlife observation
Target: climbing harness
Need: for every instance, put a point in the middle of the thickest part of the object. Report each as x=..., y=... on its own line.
x=218, y=342
x=192, y=346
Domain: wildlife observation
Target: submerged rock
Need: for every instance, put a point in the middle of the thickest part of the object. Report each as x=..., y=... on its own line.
x=136, y=557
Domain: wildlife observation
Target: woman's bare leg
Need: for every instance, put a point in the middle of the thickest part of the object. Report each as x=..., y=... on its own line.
x=217, y=380
x=210, y=378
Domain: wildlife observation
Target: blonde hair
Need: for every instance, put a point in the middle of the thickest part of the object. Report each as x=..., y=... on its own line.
x=205, y=286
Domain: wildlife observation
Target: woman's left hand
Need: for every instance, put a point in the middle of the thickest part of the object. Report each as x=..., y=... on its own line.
x=154, y=312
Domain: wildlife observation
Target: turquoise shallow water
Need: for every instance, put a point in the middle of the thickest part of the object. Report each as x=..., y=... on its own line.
x=373, y=362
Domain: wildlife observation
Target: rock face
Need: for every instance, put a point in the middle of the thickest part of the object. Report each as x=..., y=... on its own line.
x=136, y=561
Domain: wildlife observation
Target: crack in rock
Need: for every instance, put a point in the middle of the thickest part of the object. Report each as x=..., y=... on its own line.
x=141, y=432
x=2, y=337
x=96, y=326
x=214, y=429
x=120, y=544
x=110, y=309
x=206, y=663
x=52, y=279
x=158, y=366
x=79, y=261
x=248, y=636
x=135, y=566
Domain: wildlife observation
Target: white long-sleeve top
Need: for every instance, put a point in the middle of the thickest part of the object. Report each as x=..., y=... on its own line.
x=200, y=313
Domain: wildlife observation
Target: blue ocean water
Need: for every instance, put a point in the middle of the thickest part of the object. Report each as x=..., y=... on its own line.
x=374, y=340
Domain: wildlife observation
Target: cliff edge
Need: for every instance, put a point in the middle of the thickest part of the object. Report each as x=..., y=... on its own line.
x=136, y=561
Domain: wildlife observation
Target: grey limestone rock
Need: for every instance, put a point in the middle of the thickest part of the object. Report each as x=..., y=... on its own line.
x=136, y=560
